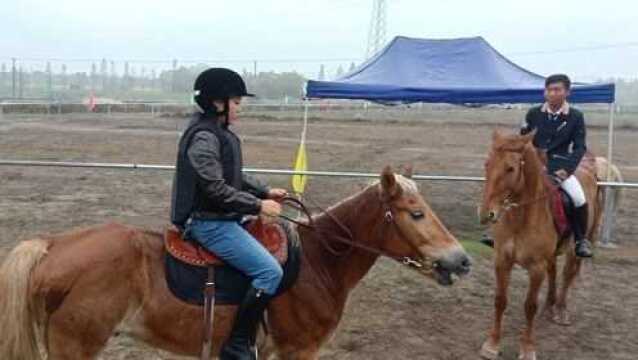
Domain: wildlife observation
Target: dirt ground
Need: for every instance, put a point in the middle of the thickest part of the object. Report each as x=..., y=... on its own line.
x=394, y=313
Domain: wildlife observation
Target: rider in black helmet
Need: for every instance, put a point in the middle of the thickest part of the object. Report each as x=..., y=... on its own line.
x=211, y=195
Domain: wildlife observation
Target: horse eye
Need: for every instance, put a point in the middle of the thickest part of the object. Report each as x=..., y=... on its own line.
x=510, y=169
x=417, y=215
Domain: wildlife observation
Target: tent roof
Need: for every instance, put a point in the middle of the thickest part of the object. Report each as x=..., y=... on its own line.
x=457, y=71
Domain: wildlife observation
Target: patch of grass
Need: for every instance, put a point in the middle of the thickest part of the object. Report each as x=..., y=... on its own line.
x=475, y=248
x=469, y=238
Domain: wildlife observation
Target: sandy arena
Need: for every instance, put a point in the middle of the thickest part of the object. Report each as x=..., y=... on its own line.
x=394, y=313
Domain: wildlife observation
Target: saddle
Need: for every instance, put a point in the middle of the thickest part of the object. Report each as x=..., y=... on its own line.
x=271, y=235
x=561, y=206
x=560, y=202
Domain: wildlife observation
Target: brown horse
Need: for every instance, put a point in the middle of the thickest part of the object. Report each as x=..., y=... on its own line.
x=74, y=291
x=517, y=203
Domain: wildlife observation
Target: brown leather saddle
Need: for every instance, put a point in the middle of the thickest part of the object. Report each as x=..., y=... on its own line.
x=271, y=235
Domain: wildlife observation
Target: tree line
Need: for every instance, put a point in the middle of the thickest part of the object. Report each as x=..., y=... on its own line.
x=142, y=83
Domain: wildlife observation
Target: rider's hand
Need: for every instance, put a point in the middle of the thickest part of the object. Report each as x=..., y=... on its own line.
x=277, y=194
x=270, y=208
x=562, y=174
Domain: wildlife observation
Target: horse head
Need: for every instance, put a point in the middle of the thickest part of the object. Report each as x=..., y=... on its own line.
x=418, y=233
x=504, y=173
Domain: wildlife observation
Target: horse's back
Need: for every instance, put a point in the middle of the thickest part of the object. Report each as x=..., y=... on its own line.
x=588, y=175
x=587, y=170
x=591, y=170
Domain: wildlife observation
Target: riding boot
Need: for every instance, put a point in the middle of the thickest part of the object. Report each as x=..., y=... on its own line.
x=579, y=224
x=241, y=344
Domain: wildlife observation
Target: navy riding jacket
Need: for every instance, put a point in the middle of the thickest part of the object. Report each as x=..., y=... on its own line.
x=562, y=136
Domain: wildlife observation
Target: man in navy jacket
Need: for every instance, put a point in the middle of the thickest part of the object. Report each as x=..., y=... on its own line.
x=560, y=132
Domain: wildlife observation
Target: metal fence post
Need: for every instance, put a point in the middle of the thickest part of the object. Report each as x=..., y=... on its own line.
x=610, y=206
x=609, y=217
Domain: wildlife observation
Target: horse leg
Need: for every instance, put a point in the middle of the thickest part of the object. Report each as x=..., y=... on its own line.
x=527, y=346
x=570, y=272
x=83, y=323
x=503, y=270
x=550, y=302
x=73, y=336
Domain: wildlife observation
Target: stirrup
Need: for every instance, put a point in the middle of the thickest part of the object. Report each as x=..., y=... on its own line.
x=587, y=249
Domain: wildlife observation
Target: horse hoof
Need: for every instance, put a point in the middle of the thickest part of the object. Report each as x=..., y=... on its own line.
x=488, y=352
x=549, y=313
x=562, y=318
x=528, y=356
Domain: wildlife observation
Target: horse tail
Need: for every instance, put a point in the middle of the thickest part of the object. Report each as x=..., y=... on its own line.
x=20, y=311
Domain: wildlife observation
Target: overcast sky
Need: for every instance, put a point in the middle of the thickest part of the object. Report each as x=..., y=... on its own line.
x=320, y=29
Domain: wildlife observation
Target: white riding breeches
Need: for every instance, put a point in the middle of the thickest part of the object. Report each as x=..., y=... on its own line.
x=574, y=189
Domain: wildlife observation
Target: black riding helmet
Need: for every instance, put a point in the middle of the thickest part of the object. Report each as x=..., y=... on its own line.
x=218, y=84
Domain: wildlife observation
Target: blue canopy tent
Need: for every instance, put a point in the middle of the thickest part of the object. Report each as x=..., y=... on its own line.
x=454, y=71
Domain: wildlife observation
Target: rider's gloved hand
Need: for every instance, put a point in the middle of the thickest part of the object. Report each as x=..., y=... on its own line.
x=270, y=208
x=562, y=174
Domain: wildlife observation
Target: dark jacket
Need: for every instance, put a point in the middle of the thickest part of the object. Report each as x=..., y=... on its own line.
x=563, y=139
x=208, y=181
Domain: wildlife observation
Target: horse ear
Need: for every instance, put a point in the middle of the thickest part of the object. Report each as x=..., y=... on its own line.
x=408, y=171
x=497, y=135
x=389, y=182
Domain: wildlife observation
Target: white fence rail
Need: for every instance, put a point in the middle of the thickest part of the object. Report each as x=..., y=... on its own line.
x=347, y=174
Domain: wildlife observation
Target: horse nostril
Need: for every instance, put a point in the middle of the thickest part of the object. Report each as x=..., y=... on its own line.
x=491, y=215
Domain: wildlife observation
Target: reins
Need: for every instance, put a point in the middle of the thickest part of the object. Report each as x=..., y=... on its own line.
x=426, y=265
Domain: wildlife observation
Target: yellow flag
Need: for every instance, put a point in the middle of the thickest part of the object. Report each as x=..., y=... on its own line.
x=301, y=164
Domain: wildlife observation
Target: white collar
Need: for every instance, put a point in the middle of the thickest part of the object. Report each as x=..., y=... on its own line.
x=564, y=109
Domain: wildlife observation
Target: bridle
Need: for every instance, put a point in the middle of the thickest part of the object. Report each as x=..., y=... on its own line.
x=509, y=204
x=424, y=265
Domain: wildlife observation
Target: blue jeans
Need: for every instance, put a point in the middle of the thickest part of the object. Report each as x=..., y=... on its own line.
x=238, y=248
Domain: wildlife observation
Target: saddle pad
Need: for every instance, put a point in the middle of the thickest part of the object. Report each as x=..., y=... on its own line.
x=186, y=282
x=561, y=222
x=271, y=236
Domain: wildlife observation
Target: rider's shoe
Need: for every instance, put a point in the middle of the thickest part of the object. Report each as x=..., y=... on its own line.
x=241, y=344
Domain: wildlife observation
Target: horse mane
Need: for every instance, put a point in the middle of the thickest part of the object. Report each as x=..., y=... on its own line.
x=534, y=163
x=406, y=184
x=350, y=209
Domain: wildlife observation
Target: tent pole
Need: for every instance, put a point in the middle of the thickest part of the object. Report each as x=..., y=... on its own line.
x=610, y=144
x=608, y=217
x=306, y=105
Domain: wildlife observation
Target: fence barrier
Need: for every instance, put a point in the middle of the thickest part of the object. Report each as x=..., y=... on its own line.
x=346, y=174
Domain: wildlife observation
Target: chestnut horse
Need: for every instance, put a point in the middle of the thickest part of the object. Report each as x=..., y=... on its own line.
x=74, y=291
x=517, y=203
